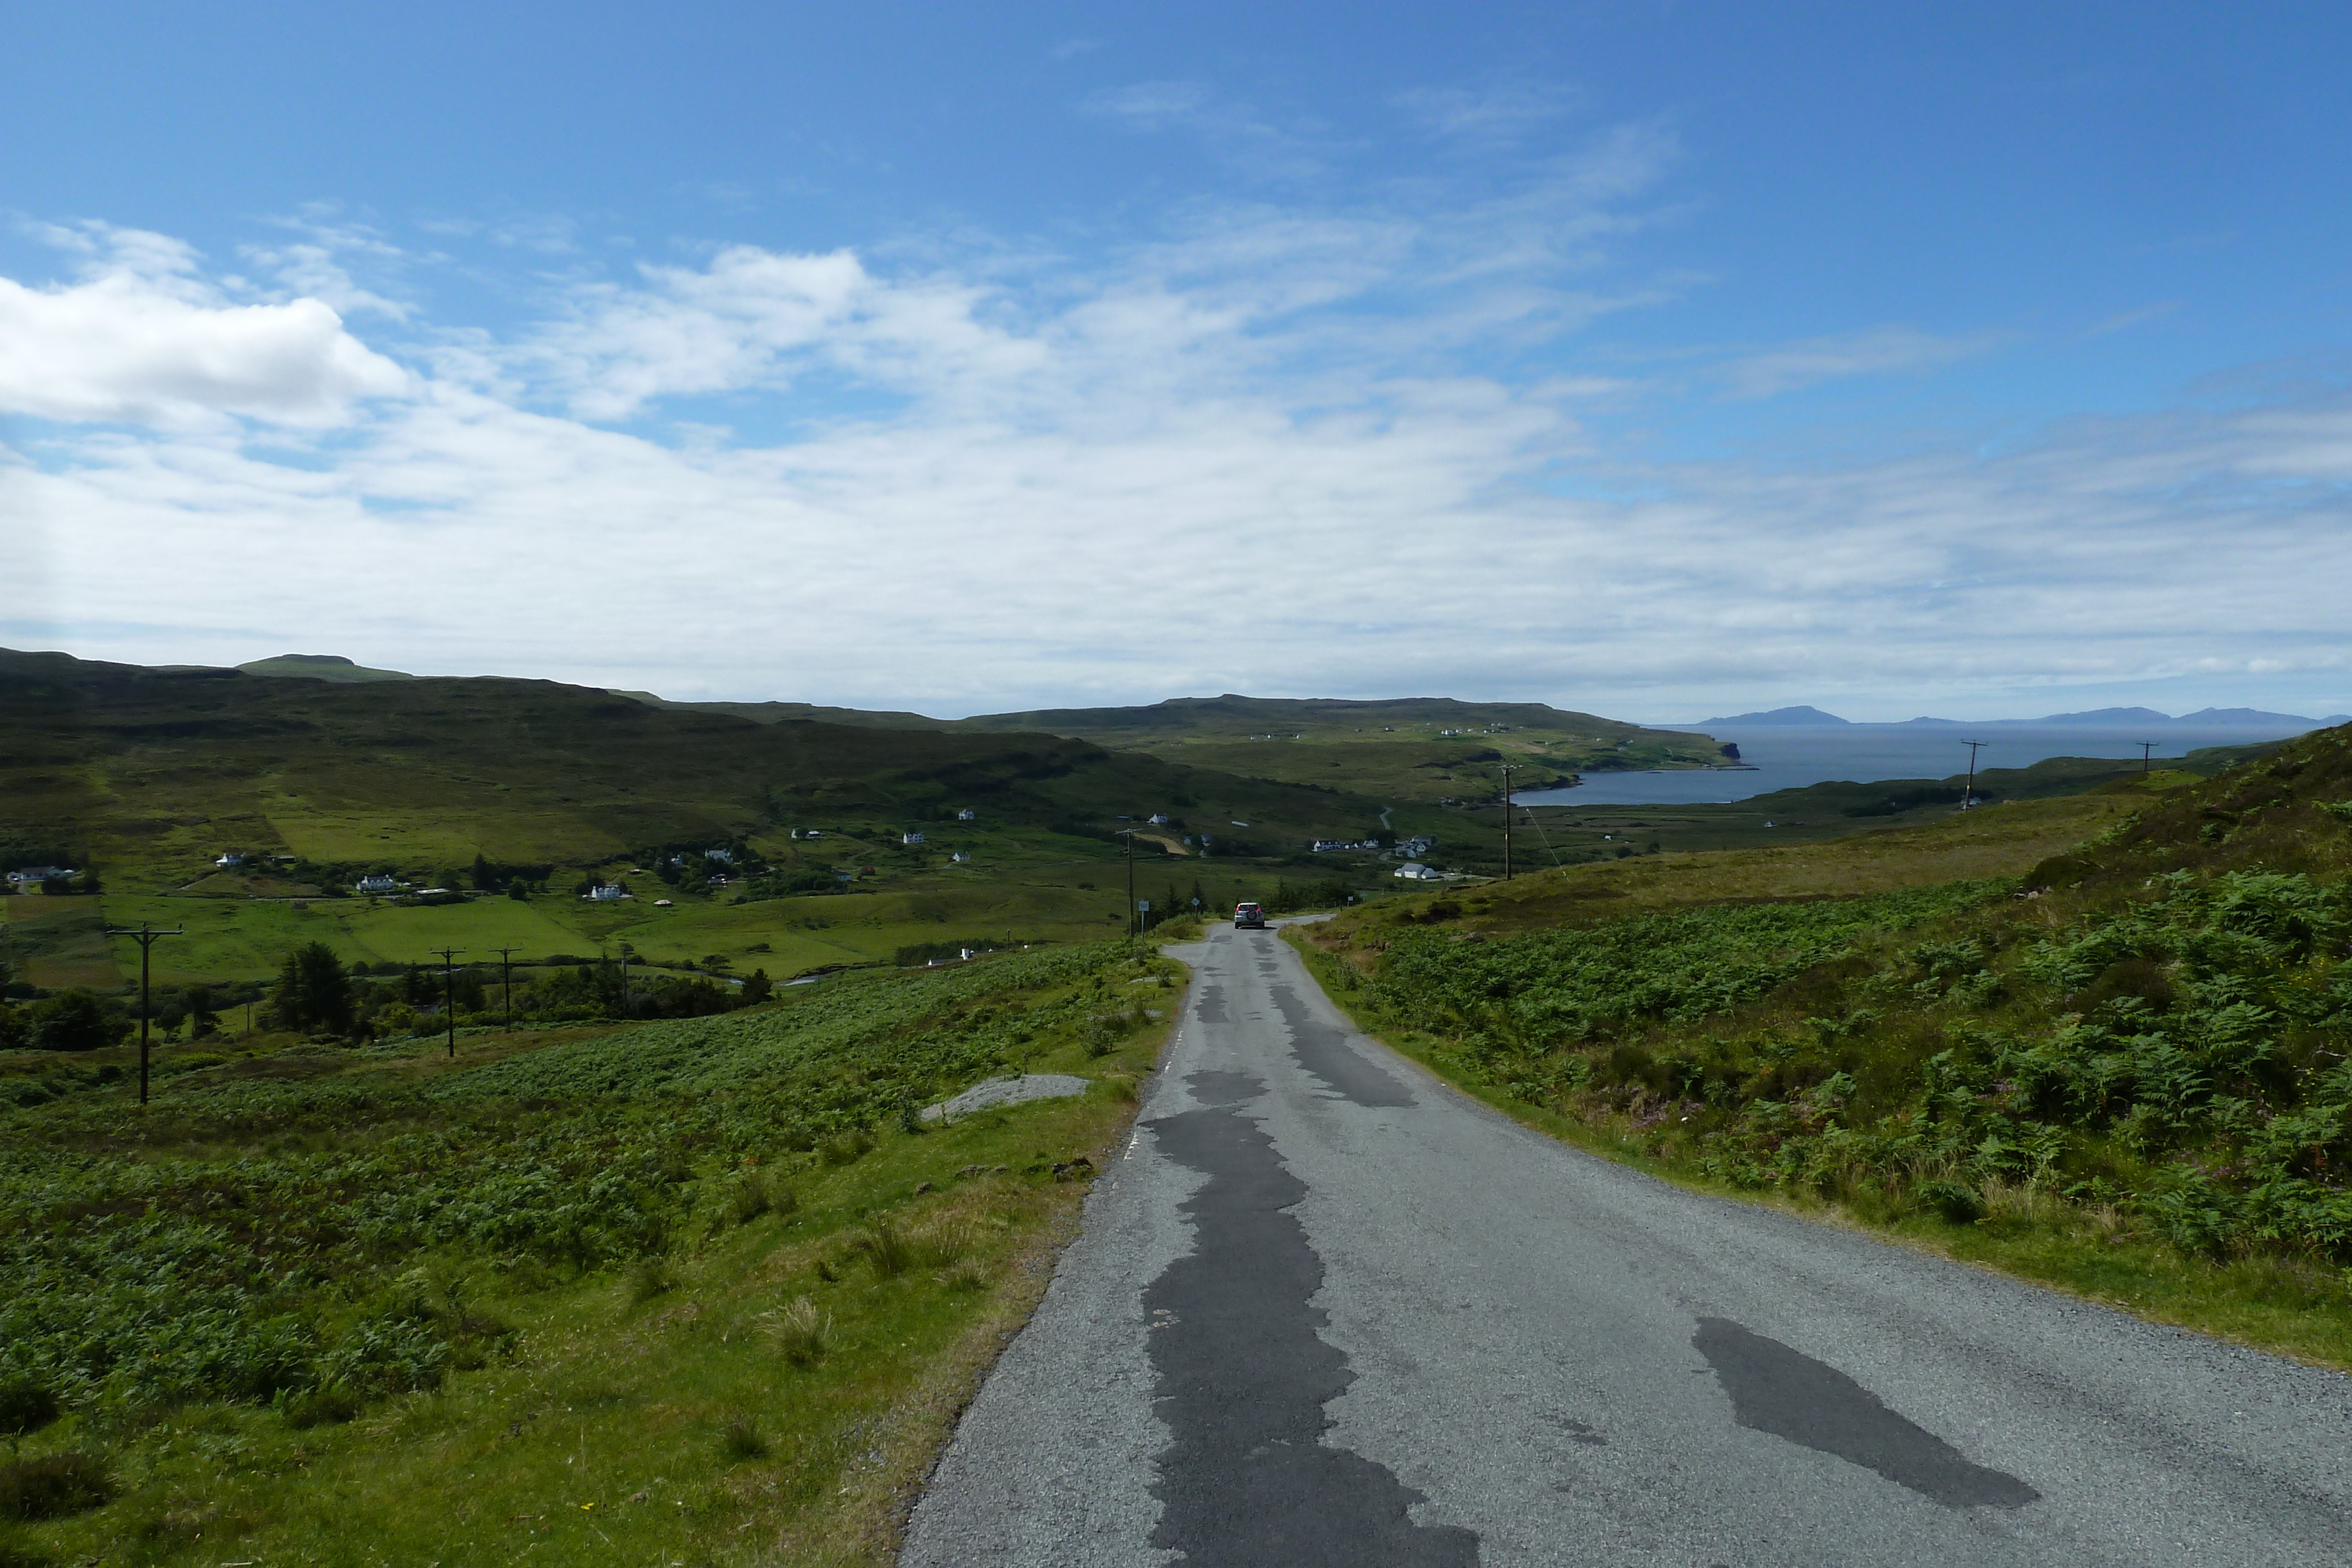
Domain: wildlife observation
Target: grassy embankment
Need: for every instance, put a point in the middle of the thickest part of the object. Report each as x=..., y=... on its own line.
x=2098, y=1042
x=681, y=1292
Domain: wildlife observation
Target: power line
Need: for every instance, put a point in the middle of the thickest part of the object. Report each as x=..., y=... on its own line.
x=1536, y=823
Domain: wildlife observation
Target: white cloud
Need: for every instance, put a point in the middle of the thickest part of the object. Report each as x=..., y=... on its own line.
x=1250, y=456
x=1878, y=351
x=1494, y=115
x=1234, y=133
x=756, y=318
x=140, y=339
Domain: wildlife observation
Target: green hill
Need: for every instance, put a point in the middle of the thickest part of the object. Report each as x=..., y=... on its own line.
x=477, y=784
x=320, y=668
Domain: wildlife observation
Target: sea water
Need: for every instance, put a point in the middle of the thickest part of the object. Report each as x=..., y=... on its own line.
x=1789, y=757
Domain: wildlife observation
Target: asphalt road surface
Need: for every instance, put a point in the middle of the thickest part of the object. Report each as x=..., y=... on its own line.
x=1326, y=1311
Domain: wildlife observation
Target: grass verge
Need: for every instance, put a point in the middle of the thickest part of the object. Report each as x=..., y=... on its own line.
x=2283, y=1306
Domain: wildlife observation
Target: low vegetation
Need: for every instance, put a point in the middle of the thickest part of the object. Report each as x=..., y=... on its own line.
x=2126, y=1068
x=703, y=1288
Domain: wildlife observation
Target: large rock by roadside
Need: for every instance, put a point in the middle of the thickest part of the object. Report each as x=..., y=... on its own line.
x=1007, y=1091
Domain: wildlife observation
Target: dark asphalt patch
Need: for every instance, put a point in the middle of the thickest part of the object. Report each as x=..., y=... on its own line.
x=1243, y=1375
x=1209, y=1005
x=1789, y=1394
x=1325, y=1053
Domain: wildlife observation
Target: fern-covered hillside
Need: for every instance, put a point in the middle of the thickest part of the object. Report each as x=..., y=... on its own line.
x=703, y=1284
x=2144, y=1039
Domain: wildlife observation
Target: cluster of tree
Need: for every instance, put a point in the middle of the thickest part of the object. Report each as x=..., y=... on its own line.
x=515, y=880
x=78, y=1019
x=69, y=1021
x=693, y=864
x=315, y=994
x=790, y=885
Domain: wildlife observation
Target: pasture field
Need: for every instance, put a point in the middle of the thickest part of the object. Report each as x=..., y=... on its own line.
x=693, y=1291
x=58, y=941
x=2104, y=1041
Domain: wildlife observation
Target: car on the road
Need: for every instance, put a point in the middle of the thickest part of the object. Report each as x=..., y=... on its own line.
x=1249, y=915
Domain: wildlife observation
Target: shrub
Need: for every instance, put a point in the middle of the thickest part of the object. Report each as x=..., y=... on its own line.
x=26, y=1404
x=75, y=1021
x=847, y=1148
x=650, y=1276
x=330, y=1406
x=54, y=1486
x=886, y=1249
x=1956, y=1201
x=802, y=1333
x=749, y=1198
x=740, y=1439
x=937, y=1246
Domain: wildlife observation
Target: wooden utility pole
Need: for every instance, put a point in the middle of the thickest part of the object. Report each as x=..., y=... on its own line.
x=2146, y=749
x=1508, y=769
x=506, y=980
x=449, y=993
x=146, y=937
x=1969, y=796
x=1129, y=834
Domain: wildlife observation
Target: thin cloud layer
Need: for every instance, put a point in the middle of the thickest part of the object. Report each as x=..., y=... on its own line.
x=1245, y=457
x=1881, y=350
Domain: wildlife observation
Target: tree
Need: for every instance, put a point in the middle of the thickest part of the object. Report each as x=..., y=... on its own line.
x=486, y=875
x=516, y=891
x=75, y=1021
x=313, y=992
x=202, y=1019
x=758, y=989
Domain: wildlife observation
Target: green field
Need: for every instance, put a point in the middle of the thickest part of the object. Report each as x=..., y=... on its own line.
x=678, y=1291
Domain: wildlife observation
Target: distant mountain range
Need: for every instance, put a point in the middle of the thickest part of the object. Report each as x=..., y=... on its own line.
x=2096, y=718
x=1225, y=712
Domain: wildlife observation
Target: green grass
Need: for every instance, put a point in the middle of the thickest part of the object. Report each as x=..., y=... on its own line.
x=543, y=1299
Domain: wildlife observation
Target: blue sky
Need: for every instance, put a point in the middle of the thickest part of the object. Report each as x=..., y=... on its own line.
x=1659, y=359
